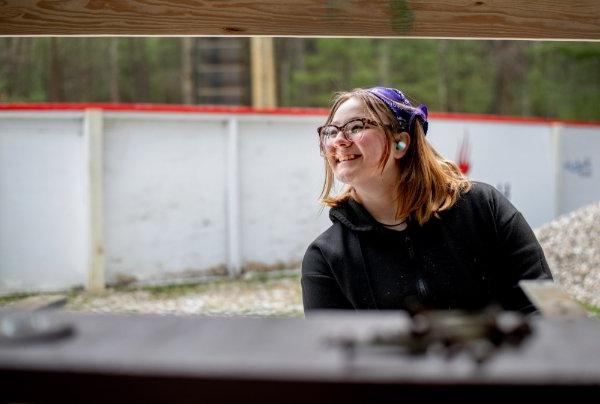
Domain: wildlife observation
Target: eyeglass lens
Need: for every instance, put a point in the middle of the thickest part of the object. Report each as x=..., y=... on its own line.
x=352, y=131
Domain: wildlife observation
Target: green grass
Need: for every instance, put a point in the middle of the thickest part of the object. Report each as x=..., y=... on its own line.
x=592, y=310
x=166, y=291
x=174, y=290
x=4, y=300
x=15, y=297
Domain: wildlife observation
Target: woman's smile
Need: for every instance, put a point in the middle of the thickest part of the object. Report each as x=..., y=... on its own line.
x=347, y=158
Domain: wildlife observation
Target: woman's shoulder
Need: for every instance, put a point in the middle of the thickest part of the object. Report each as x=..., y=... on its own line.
x=334, y=242
x=326, y=248
x=482, y=190
x=329, y=237
x=485, y=199
x=483, y=193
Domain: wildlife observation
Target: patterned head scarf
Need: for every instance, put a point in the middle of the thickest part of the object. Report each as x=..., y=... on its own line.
x=401, y=107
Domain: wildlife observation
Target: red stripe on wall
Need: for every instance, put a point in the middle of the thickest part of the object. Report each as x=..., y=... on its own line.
x=210, y=109
x=220, y=109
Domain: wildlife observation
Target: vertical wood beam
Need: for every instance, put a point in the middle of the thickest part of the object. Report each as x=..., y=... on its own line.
x=263, y=72
x=93, y=132
x=557, y=147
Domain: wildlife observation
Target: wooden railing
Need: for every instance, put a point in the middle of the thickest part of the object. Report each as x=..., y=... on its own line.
x=499, y=19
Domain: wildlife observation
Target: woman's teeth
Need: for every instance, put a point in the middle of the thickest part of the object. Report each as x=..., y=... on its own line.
x=348, y=157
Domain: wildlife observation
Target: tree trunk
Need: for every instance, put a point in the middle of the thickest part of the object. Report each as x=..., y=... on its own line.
x=13, y=67
x=443, y=75
x=16, y=61
x=511, y=65
x=188, y=72
x=139, y=64
x=298, y=53
x=113, y=80
x=383, y=61
x=282, y=50
x=56, y=82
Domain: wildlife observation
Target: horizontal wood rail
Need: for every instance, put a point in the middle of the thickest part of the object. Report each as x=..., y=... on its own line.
x=497, y=19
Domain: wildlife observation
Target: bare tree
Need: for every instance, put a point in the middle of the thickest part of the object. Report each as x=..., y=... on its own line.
x=511, y=65
x=383, y=51
x=55, y=82
x=139, y=69
x=13, y=65
x=113, y=81
x=291, y=58
x=443, y=74
x=15, y=62
x=188, y=71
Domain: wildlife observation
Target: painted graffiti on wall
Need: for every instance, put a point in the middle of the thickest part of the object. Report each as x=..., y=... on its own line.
x=464, y=162
x=463, y=155
x=581, y=167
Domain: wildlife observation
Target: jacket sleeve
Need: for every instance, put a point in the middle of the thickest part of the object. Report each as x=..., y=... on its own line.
x=522, y=257
x=320, y=290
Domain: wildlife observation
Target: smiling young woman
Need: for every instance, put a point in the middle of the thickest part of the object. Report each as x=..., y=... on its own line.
x=410, y=231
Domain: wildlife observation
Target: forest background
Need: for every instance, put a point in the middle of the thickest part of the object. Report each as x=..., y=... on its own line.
x=518, y=78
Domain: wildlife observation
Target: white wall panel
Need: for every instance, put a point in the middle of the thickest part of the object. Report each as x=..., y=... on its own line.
x=578, y=167
x=516, y=158
x=281, y=176
x=43, y=222
x=164, y=196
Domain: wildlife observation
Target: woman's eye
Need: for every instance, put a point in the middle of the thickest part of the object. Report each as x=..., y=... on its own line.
x=329, y=132
x=355, y=127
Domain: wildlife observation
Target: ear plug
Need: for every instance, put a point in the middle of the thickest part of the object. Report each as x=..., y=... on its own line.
x=400, y=146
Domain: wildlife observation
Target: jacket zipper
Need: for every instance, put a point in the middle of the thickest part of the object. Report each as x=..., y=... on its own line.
x=411, y=251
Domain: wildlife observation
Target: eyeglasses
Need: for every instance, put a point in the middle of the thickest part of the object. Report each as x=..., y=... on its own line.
x=351, y=131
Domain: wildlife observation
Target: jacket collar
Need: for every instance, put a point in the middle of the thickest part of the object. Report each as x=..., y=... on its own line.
x=354, y=216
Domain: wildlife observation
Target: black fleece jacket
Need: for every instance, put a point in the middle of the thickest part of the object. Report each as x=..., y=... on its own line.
x=472, y=256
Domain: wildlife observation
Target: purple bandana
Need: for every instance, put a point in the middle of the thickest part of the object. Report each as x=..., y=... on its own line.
x=403, y=110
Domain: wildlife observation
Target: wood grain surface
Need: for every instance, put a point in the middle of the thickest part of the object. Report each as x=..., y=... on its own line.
x=180, y=359
x=540, y=19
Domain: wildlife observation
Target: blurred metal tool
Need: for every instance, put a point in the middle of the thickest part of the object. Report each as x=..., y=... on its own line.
x=477, y=333
x=34, y=325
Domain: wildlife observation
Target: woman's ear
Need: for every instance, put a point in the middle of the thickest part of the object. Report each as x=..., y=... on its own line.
x=401, y=144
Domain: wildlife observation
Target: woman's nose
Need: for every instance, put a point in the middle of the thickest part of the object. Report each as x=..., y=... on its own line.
x=339, y=140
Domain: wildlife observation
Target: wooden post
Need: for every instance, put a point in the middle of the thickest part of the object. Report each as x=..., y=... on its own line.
x=557, y=129
x=234, y=247
x=263, y=72
x=94, y=141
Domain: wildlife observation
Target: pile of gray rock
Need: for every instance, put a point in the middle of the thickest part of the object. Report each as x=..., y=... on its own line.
x=571, y=244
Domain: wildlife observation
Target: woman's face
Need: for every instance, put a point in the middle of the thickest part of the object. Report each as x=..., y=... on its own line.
x=357, y=163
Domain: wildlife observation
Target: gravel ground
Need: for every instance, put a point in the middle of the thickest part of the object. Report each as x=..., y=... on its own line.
x=257, y=295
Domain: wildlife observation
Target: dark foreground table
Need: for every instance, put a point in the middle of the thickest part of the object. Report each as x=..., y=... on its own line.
x=119, y=358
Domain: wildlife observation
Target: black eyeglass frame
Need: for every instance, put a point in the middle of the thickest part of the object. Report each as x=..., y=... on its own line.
x=342, y=129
